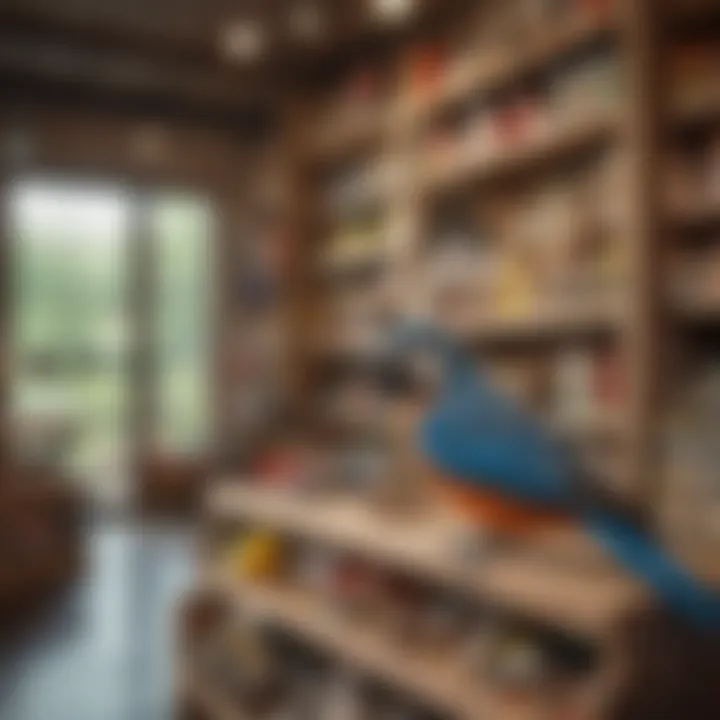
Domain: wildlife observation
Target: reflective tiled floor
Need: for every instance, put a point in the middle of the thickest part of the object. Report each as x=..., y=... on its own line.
x=105, y=650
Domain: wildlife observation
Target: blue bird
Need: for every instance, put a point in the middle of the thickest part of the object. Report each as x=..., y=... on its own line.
x=486, y=445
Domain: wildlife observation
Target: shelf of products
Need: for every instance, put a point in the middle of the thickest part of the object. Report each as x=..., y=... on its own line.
x=474, y=76
x=252, y=362
x=581, y=391
x=554, y=147
x=693, y=496
x=694, y=100
x=307, y=666
x=489, y=171
x=704, y=113
x=587, y=602
x=699, y=310
x=351, y=118
x=691, y=37
x=696, y=291
x=449, y=653
x=543, y=326
x=696, y=216
x=348, y=138
x=352, y=251
x=434, y=679
x=693, y=194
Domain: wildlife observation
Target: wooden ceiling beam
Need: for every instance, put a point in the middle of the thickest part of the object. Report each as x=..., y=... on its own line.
x=25, y=89
x=42, y=51
x=54, y=27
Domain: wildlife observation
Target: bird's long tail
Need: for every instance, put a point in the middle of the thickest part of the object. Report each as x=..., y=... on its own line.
x=683, y=594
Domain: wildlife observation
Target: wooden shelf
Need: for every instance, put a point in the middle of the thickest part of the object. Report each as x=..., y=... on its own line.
x=699, y=309
x=344, y=139
x=440, y=679
x=696, y=117
x=563, y=581
x=363, y=265
x=572, y=321
x=699, y=217
x=475, y=77
x=582, y=594
x=558, y=146
x=600, y=424
x=479, y=76
x=590, y=321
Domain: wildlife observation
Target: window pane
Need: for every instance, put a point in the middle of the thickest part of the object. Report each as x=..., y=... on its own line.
x=70, y=327
x=182, y=237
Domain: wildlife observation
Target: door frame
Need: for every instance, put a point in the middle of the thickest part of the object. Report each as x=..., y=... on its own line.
x=139, y=298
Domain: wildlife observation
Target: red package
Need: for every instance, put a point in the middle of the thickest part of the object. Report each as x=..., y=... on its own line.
x=428, y=65
x=282, y=466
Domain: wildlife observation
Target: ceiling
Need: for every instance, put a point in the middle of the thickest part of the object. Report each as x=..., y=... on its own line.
x=170, y=50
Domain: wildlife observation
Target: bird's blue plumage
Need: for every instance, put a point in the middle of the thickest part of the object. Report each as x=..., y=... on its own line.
x=690, y=599
x=482, y=439
x=515, y=456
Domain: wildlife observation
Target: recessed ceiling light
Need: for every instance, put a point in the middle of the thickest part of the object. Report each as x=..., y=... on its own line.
x=242, y=41
x=306, y=21
x=392, y=11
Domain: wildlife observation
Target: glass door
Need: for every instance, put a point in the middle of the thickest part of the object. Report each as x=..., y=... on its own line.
x=181, y=232
x=70, y=330
x=112, y=330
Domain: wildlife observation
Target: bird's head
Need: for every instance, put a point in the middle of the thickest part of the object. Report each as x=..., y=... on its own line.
x=415, y=335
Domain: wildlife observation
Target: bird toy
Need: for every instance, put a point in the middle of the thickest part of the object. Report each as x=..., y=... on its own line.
x=507, y=471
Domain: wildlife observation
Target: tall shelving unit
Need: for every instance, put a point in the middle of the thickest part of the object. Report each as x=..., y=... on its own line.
x=690, y=35
x=491, y=127
x=418, y=180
